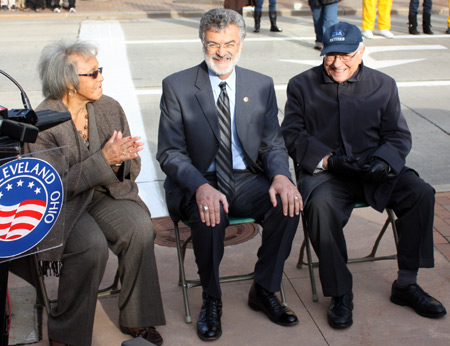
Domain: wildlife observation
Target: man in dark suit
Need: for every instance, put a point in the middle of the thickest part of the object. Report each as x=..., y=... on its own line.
x=345, y=130
x=210, y=177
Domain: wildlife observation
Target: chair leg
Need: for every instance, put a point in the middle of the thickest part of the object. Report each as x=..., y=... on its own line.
x=377, y=241
x=391, y=216
x=307, y=245
x=112, y=289
x=301, y=255
x=43, y=289
x=282, y=294
x=182, y=274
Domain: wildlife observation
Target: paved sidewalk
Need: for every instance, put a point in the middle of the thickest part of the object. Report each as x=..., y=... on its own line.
x=377, y=321
x=118, y=9
x=442, y=224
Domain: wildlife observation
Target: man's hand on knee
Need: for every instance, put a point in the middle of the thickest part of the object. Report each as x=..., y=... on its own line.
x=208, y=200
x=291, y=198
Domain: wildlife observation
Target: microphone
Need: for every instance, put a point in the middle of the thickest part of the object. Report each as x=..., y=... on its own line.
x=24, y=124
x=21, y=132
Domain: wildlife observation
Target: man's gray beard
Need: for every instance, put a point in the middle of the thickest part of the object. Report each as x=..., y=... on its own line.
x=210, y=63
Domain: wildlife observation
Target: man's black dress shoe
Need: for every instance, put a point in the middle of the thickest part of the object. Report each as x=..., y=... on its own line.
x=208, y=325
x=340, y=311
x=259, y=299
x=415, y=297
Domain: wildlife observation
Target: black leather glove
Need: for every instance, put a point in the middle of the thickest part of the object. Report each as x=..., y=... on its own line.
x=344, y=165
x=378, y=171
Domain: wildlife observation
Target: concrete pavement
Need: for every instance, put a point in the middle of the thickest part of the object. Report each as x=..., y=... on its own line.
x=377, y=321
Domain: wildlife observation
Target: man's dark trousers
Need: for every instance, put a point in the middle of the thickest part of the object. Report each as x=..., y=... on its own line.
x=328, y=210
x=252, y=200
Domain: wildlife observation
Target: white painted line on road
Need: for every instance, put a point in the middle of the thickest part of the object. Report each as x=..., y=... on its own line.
x=424, y=83
x=157, y=91
x=292, y=38
x=376, y=63
x=262, y=39
x=112, y=55
x=282, y=87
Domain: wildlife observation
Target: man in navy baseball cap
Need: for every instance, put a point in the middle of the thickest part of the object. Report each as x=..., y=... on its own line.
x=344, y=128
x=341, y=38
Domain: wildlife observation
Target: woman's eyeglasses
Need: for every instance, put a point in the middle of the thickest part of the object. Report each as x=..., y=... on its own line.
x=94, y=74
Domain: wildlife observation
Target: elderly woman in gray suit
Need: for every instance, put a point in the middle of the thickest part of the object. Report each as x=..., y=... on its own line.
x=102, y=206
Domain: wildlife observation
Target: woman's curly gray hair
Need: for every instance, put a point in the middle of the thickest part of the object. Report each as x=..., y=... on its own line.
x=58, y=70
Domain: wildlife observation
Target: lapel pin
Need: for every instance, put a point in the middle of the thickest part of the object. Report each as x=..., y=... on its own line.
x=245, y=99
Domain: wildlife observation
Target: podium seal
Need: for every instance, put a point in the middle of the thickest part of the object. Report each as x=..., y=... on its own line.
x=31, y=197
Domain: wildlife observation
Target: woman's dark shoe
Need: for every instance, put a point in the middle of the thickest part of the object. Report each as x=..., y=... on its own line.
x=209, y=326
x=415, y=297
x=340, y=311
x=148, y=333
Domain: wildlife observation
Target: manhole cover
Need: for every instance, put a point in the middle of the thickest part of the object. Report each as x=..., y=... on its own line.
x=165, y=235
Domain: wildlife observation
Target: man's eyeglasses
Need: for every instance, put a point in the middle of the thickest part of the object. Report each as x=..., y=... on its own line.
x=94, y=74
x=344, y=57
x=226, y=46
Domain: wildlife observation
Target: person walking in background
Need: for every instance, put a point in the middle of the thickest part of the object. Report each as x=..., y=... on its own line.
x=272, y=15
x=324, y=13
x=36, y=5
x=448, y=19
x=237, y=5
x=20, y=4
x=8, y=5
x=69, y=5
x=426, y=17
x=384, y=18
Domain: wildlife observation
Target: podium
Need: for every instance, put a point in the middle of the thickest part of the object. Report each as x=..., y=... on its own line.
x=32, y=195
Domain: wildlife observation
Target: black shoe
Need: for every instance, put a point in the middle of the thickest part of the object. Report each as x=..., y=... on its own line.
x=447, y=31
x=414, y=296
x=149, y=333
x=208, y=325
x=340, y=311
x=413, y=30
x=259, y=299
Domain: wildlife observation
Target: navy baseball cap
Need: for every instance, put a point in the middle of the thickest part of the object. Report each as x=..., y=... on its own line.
x=341, y=38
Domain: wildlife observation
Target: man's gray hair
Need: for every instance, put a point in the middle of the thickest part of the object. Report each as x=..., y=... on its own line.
x=58, y=70
x=218, y=19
